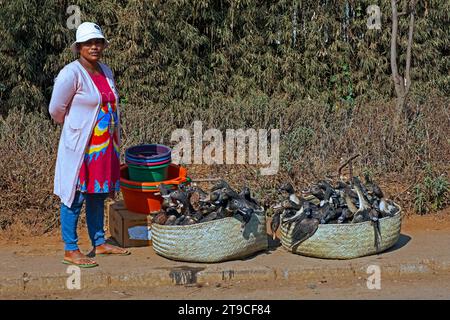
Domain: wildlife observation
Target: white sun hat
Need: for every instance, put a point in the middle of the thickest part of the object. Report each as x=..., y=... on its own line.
x=85, y=32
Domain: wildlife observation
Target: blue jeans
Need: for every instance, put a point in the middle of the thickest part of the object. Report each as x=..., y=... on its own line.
x=95, y=204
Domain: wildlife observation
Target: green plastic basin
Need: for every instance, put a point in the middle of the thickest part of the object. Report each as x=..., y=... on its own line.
x=148, y=174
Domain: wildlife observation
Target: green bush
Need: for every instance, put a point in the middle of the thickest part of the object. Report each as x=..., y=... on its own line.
x=432, y=193
x=178, y=52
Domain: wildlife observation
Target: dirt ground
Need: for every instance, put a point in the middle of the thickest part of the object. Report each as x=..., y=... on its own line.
x=424, y=286
x=52, y=241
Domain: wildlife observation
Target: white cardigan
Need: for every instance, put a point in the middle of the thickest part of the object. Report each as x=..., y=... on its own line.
x=75, y=103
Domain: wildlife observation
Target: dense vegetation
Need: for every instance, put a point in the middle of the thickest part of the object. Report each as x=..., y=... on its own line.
x=310, y=68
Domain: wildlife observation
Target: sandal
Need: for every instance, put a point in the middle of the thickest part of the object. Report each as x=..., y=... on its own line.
x=108, y=249
x=76, y=258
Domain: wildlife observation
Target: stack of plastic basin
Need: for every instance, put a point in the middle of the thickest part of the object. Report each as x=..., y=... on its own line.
x=148, y=166
x=148, y=162
x=143, y=197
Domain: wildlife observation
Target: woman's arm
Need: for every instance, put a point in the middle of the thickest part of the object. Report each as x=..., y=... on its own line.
x=63, y=92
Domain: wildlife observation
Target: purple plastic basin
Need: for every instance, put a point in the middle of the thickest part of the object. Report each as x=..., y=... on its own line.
x=148, y=152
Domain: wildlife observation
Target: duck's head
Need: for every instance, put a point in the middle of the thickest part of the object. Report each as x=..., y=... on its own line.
x=230, y=193
x=286, y=187
x=220, y=185
x=214, y=196
x=317, y=192
x=324, y=185
x=164, y=190
x=179, y=197
x=220, y=196
x=341, y=185
x=245, y=191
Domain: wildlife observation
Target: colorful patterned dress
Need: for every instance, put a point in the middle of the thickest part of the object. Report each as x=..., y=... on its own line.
x=100, y=171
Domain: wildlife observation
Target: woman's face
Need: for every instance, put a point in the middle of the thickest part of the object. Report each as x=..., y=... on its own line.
x=92, y=49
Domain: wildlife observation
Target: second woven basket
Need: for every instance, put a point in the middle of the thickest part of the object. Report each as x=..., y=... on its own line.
x=346, y=241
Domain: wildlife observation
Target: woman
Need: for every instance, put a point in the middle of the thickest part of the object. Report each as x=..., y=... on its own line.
x=85, y=101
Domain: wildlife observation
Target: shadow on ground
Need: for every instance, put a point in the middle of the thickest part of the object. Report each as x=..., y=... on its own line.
x=402, y=241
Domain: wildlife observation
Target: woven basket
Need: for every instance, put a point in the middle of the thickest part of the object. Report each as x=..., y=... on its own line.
x=212, y=241
x=346, y=241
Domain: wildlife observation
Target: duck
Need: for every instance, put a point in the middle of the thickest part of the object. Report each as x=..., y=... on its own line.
x=210, y=217
x=219, y=197
x=194, y=201
x=387, y=208
x=306, y=208
x=275, y=223
x=241, y=201
x=287, y=205
x=330, y=195
x=345, y=215
x=366, y=213
x=329, y=214
x=222, y=184
x=179, y=221
x=165, y=192
x=341, y=185
x=303, y=230
x=221, y=212
x=207, y=208
x=298, y=214
x=165, y=215
x=348, y=201
x=197, y=216
x=240, y=208
x=214, y=196
x=246, y=194
x=171, y=220
x=325, y=186
x=373, y=187
x=317, y=192
x=289, y=189
x=203, y=195
x=160, y=218
x=373, y=215
x=283, y=210
x=181, y=199
x=188, y=220
x=341, y=200
x=310, y=207
x=362, y=214
x=363, y=189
